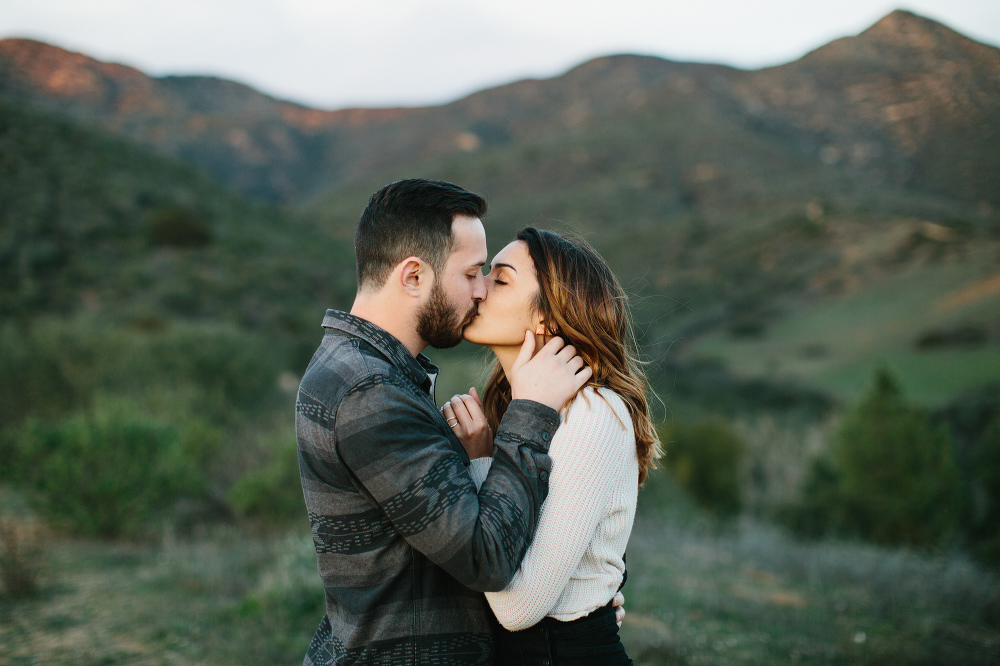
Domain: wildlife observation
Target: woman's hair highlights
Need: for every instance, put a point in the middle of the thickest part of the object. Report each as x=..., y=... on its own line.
x=581, y=300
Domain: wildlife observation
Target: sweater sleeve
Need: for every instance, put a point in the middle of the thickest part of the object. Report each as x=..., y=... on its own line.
x=591, y=441
x=478, y=469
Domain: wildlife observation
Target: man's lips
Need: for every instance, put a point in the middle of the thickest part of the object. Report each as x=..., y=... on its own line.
x=470, y=317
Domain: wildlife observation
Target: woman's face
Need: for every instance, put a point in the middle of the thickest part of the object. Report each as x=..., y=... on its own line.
x=508, y=310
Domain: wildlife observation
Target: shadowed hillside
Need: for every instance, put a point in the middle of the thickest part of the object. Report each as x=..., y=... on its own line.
x=93, y=224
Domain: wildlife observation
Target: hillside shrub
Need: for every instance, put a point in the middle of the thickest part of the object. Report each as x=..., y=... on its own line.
x=705, y=458
x=986, y=481
x=109, y=471
x=233, y=368
x=891, y=476
x=46, y=366
x=179, y=227
x=272, y=493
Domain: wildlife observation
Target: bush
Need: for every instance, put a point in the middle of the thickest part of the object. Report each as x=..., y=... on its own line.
x=823, y=509
x=53, y=367
x=986, y=466
x=233, y=368
x=179, y=227
x=891, y=476
x=272, y=493
x=705, y=459
x=109, y=471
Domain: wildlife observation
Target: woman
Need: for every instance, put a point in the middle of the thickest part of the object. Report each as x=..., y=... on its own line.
x=557, y=609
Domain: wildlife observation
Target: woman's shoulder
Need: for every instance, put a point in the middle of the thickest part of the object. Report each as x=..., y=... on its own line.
x=595, y=403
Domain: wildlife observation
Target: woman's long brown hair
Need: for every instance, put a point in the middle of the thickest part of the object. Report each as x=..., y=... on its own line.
x=581, y=300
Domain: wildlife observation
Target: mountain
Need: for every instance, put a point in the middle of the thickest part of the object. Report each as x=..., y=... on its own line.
x=908, y=102
x=797, y=223
x=908, y=99
x=254, y=143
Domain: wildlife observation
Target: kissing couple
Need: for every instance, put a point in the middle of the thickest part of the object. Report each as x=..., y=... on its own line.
x=526, y=494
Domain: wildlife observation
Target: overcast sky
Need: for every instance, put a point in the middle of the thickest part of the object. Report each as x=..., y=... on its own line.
x=333, y=53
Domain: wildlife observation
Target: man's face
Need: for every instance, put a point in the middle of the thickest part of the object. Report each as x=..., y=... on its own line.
x=457, y=291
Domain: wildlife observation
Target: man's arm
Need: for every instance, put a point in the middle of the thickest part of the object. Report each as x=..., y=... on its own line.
x=402, y=461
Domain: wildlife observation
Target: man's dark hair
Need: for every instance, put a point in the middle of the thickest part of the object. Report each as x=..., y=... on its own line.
x=410, y=218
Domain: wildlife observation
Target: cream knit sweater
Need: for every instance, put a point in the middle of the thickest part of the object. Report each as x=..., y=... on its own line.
x=574, y=565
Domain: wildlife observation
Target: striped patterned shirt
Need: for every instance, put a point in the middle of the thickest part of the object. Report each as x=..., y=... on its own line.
x=405, y=543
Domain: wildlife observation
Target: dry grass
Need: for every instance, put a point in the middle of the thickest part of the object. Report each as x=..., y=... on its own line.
x=699, y=592
x=21, y=548
x=747, y=593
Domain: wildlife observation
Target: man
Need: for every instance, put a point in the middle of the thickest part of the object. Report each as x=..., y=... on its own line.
x=405, y=543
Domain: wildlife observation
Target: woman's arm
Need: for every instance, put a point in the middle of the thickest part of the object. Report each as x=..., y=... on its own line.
x=591, y=442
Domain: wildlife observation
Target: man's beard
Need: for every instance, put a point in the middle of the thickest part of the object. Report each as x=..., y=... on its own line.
x=438, y=324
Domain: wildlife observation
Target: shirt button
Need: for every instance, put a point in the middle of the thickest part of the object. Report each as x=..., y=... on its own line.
x=543, y=475
x=545, y=436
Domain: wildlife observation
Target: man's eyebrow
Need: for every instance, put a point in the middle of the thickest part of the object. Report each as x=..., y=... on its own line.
x=495, y=266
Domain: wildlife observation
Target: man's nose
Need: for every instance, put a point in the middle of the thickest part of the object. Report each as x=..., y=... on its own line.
x=479, y=291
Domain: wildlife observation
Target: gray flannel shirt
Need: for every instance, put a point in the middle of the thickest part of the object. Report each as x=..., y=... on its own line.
x=405, y=544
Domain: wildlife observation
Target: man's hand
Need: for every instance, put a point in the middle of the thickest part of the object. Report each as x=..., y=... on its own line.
x=552, y=376
x=467, y=419
x=618, y=602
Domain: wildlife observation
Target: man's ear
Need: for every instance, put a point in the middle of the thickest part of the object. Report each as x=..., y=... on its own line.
x=414, y=276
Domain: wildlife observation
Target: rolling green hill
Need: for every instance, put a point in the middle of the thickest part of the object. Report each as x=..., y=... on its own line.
x=92, y=224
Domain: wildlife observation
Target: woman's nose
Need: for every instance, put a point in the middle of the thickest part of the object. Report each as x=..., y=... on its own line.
x=479, y=291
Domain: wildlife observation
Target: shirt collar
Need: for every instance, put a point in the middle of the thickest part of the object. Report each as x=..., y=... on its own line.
x=419, y=369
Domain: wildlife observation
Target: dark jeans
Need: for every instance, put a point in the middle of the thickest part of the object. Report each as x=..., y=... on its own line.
x=591, y=640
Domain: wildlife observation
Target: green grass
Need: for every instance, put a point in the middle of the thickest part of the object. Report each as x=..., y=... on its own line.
x=699, y=592
x=836, y=343
x=229, y=598
x=928, y=377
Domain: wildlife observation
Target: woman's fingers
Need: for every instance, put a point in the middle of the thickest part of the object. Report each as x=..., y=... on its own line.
x=475, y=396
x=527, y=350
x=465, y=419
x=475, y=407
x=619, y=605
x=449, y=415
x=566, y=353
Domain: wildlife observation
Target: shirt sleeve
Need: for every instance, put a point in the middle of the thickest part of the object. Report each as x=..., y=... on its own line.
x=591, y=441
x=403, y=460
